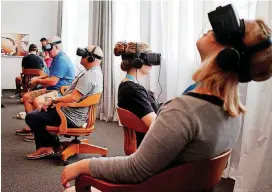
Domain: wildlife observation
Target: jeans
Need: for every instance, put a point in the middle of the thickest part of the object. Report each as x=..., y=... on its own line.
x=37, y=121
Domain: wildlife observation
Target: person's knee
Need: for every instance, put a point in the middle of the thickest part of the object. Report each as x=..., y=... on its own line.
x=18, y=80
x=27, y=98
x=37, y=102
x=32, y=118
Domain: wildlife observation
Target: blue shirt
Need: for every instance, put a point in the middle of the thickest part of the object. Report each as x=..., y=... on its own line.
x=190, y=88
x=63, y=68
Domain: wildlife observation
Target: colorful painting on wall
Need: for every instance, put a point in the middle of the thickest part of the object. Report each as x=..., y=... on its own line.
x=14, y=44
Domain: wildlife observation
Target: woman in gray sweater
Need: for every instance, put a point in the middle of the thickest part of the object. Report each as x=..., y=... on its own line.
x=198, y=125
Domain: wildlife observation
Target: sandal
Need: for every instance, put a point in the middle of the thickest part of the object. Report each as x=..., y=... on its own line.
x=29, y=138
x=40, y=153
x=23, y=131
x=58, y=151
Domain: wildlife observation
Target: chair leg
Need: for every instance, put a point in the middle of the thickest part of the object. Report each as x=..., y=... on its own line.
x=84, y=141
x=70, y=151
x=65, y=144
x=88, y=148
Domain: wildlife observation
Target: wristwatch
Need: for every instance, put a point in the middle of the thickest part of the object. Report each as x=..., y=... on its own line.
x=54, y=100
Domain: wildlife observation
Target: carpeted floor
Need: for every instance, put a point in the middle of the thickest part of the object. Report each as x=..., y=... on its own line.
x=22, y=175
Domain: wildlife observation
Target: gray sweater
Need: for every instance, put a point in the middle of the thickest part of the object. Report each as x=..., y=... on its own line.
x=188, y=128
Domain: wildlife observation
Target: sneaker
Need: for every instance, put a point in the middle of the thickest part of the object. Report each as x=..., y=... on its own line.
x=23, y=132
x=15, y=96
x=21, y=116
x=29, y=138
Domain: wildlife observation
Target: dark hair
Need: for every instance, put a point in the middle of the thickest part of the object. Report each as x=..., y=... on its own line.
x=122, y=48
x=33, y=47
x=43, y=39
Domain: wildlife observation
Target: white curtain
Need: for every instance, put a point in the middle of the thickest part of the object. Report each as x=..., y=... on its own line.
x=250, y=164
x=75, y=25
x=172, y=28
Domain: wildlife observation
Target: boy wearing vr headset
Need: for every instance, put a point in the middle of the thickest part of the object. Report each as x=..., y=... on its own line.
x=201, y=124
x=89, y=82
x=61, y=73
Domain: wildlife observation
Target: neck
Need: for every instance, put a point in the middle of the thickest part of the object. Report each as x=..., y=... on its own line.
x=32, y=52
x=202, y=90
x=90, y=65
x=134, y=73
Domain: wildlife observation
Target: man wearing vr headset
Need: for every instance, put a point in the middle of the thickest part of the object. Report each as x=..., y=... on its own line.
x=89, y=82
x=61, y=73
x=203, y=123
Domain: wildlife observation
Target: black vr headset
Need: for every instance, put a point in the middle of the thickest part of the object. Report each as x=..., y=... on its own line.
x=49, y=46
x=146, y=58
x=229, y=29
x=83, y=52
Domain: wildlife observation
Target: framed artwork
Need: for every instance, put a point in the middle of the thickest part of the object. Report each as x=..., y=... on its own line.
x=14, y=44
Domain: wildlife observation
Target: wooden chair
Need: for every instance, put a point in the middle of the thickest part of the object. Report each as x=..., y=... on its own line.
x=131, y=123
x=78, y=146
x=26, y=76
x=195, y=176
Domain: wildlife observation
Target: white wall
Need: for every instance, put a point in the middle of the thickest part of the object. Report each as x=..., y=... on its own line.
x=38, y=19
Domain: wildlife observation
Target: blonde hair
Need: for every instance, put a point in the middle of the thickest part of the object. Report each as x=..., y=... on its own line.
x=225, y=84
x=122, y=48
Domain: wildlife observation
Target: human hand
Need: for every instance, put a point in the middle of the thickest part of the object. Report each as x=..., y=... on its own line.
x=33, y=78
x=44, y=107
x=69, y=173
x=33, y=83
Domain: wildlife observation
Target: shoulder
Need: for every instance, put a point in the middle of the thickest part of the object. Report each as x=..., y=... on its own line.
x=183, y=104
x=132, y=88
x=62, y=59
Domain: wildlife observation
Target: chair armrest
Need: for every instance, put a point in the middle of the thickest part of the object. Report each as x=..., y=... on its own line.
x=63, y=89
x=63, y=124
x=87, y=102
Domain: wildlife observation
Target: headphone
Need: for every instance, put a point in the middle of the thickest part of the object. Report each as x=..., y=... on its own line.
x=91, y=57
x=230, y=30
x=137, y=63
x=83, y=52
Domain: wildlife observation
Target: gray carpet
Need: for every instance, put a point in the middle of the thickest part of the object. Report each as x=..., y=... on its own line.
x=22, y=175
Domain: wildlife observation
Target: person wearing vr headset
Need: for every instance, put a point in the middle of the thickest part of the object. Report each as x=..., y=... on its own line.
x=203, y=123
x=137, y=61
x=48, y=60
x=61, y=73
x=31, y=61
x=89, y=82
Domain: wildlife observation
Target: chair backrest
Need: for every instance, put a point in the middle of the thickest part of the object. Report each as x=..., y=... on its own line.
x=93, y=100
x=131, y=123
x=27, y=74
x=193, y=176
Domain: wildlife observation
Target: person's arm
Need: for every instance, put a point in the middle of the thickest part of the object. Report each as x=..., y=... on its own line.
x=143, y=108
x=43, y=76
x=69, y=98
x=57, y=72
x=45, y=82
x=23, y=63
x=84, y=85
x=168, y=135
x=149, y=118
